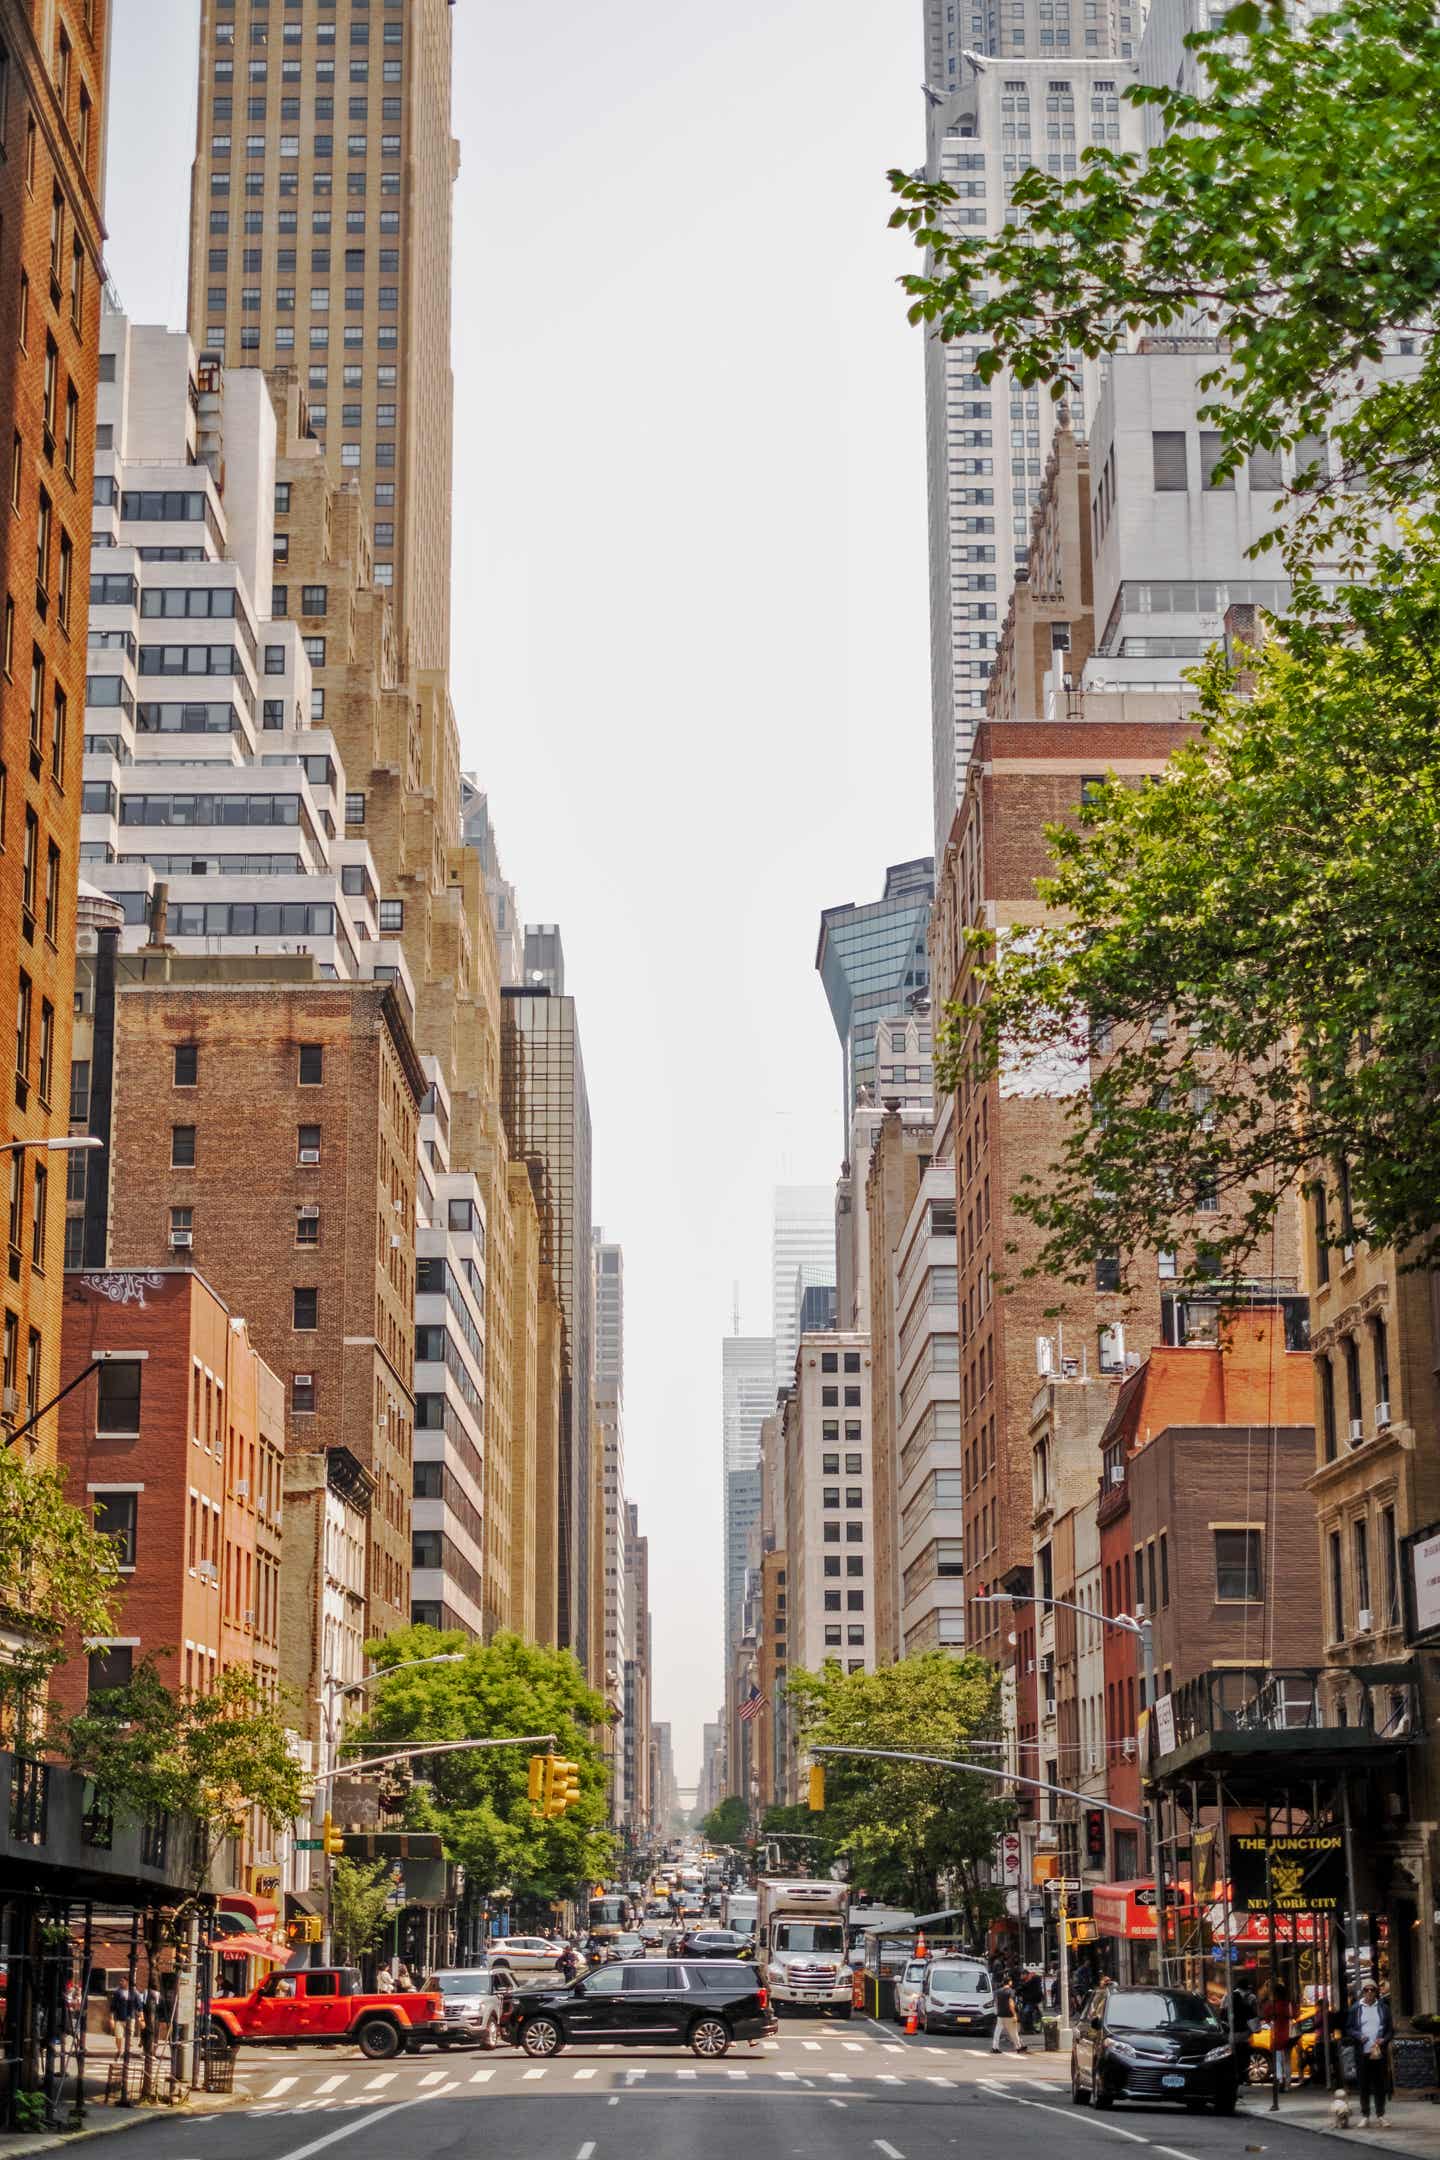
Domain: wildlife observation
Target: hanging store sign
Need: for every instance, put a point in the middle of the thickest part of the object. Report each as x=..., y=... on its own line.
x=1299, y=1873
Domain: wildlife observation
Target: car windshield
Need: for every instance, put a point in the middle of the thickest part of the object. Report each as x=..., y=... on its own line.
x=1161, y=2010
x=914, y=1971
x=803, y=1935
x=959, y=1980
x=458, y=1983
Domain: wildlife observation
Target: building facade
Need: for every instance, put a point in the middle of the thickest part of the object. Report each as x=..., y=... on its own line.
x=874, y=965
x=802, y=1252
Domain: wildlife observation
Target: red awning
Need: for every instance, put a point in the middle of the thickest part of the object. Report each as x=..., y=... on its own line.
x=1128, y=1908
x=256, y=1946
x=262, y=1911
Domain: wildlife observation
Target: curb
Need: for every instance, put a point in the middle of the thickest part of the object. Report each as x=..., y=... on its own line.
x=116, y=2120
x=1356, y=2137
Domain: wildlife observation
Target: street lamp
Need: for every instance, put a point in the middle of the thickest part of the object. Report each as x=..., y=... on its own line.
x=64, y=1144
x=1124, y=1624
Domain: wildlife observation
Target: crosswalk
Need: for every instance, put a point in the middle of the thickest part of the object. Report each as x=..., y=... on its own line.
x=356, y=2089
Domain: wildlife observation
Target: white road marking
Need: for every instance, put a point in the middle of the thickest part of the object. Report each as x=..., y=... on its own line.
x=1173, y=2154
x=281, y=2085
x=852, y=2047
x=884, y=2080
x=481, y=2077
x=813, y=2045
x=331, y=2084
x=837, y=2077
x=687, y=2073
x=433, y=2077
x=789, y=2075
x=580, y=2077
x=883, y=2145
x=348, y=2129
x=737, y=2073
x=386, y=2077
x=839, y=2103
x=1131, y=2137
x=586, y=2150
x=535, y=2073
x=932, y=2079
x=893, y=2047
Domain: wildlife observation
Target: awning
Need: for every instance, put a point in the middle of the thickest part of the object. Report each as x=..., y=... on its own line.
x=261, y=1912
x=256, y=1946
x=1128, y=1908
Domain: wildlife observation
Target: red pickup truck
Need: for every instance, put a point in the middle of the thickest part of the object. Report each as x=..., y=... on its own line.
x=325, y=2006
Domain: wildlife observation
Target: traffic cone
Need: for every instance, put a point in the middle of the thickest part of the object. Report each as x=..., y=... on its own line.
x=912, y=2021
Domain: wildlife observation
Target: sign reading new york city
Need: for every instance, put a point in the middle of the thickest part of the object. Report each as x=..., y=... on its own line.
x=1300, y=1873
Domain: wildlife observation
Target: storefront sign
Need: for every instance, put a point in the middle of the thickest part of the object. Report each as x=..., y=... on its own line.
x=1165, y=1724
x=265, y=1882
x=1302, y=1873
x=1422, y=1556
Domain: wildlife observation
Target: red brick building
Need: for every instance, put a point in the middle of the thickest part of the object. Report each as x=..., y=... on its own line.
x=52, y=98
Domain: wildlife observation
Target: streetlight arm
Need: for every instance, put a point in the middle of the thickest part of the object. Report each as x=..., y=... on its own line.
x=1126, y=1622
x=86, y=1372
x=1007, y=1777
x=437, y=1747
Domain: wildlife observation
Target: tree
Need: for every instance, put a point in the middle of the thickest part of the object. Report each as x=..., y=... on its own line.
x=478, y=1802
x=805, y=1842
x=359, y=1898
x=1291, y=206
x=59, y=1578
x=726, y=1824
x=904, y=1826
x=211, y=1756
x=1251, y=943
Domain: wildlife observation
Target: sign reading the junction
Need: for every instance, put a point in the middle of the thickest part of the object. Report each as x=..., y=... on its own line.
x=1300, y=1873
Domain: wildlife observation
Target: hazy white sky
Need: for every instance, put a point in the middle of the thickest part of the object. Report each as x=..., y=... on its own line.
x=691, y=650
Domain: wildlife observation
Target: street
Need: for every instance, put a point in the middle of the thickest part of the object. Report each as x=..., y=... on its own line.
x=856, y=2089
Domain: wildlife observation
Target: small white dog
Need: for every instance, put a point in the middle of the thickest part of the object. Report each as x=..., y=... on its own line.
x=1340, y=2114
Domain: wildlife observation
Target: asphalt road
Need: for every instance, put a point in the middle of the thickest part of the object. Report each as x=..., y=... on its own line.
x=854, y=2091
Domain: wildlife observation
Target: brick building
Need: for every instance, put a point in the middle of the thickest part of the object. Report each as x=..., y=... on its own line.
x=269, y=1130
x=52, y=101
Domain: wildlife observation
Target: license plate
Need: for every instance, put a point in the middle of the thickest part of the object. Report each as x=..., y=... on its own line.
x=1171, y=2081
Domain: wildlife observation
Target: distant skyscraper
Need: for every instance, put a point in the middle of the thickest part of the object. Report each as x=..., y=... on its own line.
x=544, y=958
x=479, y=832
x=874, y=966
x=747, y=1372
x=802, y=1252
x=547, y=1117
x=609, y=1311
x=609, y=1315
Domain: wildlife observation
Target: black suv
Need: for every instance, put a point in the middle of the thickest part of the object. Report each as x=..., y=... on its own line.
x=657, y=2003
x=714, y=1943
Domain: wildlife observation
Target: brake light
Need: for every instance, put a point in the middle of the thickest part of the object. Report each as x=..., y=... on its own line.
x=764, y=1997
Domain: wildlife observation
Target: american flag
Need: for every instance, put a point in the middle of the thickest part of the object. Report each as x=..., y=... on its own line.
x=753, y=1704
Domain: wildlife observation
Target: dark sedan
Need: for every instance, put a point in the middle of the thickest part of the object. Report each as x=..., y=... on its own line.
x=714, y=1943
x=658, y=2003
x=1152, y=2043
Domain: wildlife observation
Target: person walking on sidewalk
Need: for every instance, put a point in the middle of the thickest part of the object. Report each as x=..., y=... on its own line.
x=1370, y=2030
x=1282, y=2014
x=1007, y=2021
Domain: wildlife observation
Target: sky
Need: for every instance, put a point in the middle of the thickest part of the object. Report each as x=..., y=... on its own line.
x=690, y=653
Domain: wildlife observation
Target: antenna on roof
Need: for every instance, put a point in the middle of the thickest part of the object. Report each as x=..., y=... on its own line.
x=735, y=1311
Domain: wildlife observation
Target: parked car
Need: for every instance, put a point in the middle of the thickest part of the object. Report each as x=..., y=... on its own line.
x=704, y=2005
x=327, y=2005
x=1152, y=2043
x=527, y=1954
x=908, y=1986
x=473, y=2001
x=956, y=1996
x=714, y=1943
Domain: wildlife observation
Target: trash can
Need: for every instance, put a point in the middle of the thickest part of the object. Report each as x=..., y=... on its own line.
x=1050, y=2030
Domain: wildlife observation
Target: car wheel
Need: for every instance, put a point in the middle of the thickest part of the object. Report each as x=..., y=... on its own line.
x=541, y=2036
x=491, y=2040
x=378, y=2040
x=1101, y=2095
x=1078, y=2095
x=848, y=2011
x=710, y=2038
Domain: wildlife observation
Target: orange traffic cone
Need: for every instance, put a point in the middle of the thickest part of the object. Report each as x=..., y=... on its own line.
x=912, y=2022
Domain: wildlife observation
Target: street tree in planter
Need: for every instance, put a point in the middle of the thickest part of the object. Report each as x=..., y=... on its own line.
x=479, y=1802
x=59, y=1579
x=905, y=1827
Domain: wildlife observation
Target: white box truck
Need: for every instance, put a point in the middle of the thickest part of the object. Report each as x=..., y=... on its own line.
x=741, y=1910
x=800, y=1937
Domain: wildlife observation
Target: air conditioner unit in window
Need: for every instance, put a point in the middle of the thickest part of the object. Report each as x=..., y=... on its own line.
x=1347, y=1254
x=1127, y=1749
x=1364, y=1620
x=249, y=1616
x=309, y=1154
x=207, y=1571
x=310, y=1212
x=303, y=1379
x=10, y=1402
x=182, y=1240
x=1382, y=1416
x=1357, y=1431
x=242, y=1487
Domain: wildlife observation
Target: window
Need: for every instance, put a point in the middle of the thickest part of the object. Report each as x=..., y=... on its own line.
x=832, y=1637
x=274, y=660
x=829, y=1361
x=308, y=1143
x=39, y=1212
x=117, y=1408
x=314, y=599
x=392, y=915
x=187, y=1064
x=306, y=1309
x=1364, y=1617
x=854, y=1599
x=852, y=1361
x=312, y=1064
x=1168, y=451
x=1212, y=444
x=855, y=1564
x=852, y=1398
x=832, y=1566
x=302, y=1394
x=1265, y=470
x=1337, y=1586
x=1107, y=1271
x=1237, y=1567
x=110, y=1665
x=830, y=1533
x=46, y=1072
x=115, y=1517
x=307, y=1226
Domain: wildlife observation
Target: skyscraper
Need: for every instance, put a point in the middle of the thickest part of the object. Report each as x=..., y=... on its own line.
x=747, y=1380
x=802, y=1252
x=609, y=1309
x=874, y=966
x=547, y=1118
x=320, y=223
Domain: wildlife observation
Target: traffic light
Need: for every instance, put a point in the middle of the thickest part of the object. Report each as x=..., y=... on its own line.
x=538, y=1779
x=308, y=1928
x=331, y=1839
x=817, y=1787
x=562, y=1785
x=1095, y=1834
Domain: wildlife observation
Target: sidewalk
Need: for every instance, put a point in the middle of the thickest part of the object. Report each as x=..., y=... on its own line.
x=1414, y=2124
x=100, y=2119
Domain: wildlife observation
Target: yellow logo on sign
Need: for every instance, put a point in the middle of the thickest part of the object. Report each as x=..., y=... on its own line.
x=1287, y=1878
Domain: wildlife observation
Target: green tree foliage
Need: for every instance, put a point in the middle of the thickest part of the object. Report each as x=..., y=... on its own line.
x=902, y=1826
x=59, y=1577
x=478, y=1802
x=1291, y=206
x=809, y=1843
x=211, y=1756
x=1252, y=939
x=358, y=1895
x=726, y=1824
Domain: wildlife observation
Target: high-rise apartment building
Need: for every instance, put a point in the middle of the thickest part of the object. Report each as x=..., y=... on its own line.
x=747, y=1388
x=802, y=1252
x=613, y=1585
x=635, y=1751
x=320, y=230
x=52, y=101
x=873, y=962
x=547, y=1120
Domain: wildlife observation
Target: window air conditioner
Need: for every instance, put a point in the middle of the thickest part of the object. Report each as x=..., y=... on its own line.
x=207, y=1571
x=1365, y=1620
x=10, y=1402
x=1347, y=1254
x=310, y=1212
x=309, y=1154
x=1357, y=1431
x=1127, y=1749
x=1382, y=1416
x=182, y=1240
x=242, y=1487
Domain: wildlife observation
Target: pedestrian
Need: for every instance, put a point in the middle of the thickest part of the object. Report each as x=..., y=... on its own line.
x=1370, y=2030
x=124, y=2005
x=1282, y=2013
x=1032, y=1998
x=1007, y=2022
x=566, y=1965
x=404, y=1982
x=152, y=2014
